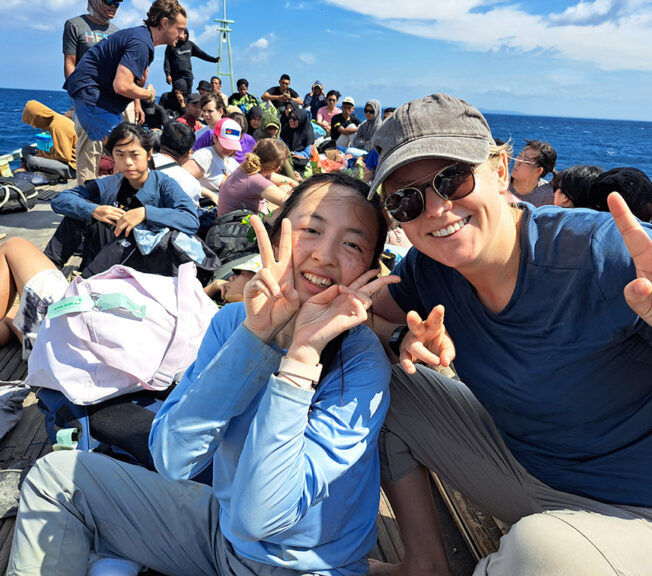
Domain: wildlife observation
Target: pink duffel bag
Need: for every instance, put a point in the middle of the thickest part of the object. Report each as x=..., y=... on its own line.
x=120, y=331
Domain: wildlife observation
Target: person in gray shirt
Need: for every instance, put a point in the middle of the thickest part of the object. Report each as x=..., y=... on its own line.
x=79, y=35
x=82, y=32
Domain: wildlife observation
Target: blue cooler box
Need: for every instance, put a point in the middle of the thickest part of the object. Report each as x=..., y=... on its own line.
x=44, y=141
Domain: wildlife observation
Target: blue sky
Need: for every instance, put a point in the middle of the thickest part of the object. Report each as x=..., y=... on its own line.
x=556, y=58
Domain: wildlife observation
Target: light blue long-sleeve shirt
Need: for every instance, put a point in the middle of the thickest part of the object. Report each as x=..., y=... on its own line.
x=296, y=471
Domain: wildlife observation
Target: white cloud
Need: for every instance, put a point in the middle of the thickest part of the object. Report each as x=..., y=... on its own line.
x=307, y=58
x=260, y=44
x=590, y=13
x=612, y=34
x=259, y=50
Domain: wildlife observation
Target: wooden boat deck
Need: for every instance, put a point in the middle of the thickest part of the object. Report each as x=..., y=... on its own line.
x=468, y=533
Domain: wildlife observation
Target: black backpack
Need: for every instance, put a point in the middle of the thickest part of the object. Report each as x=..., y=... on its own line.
x=17, y=194
x=227, y=237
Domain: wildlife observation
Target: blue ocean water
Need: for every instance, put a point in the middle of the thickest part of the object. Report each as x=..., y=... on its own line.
x=605, y=143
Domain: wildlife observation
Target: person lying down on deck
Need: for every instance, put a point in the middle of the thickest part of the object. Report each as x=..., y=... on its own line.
x=550, y=314
x=285, y=401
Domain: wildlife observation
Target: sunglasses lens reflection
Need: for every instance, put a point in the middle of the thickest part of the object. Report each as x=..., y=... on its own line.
x=405, y=204
x=455, y=182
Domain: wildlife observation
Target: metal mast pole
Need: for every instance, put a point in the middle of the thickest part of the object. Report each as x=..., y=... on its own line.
x=225, y=37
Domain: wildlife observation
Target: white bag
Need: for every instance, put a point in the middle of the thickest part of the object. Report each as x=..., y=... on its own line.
x=120, y=331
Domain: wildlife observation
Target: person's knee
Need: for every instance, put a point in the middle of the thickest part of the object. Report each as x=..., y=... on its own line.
x=44, y=478
x=15, y=246
x=543, y=544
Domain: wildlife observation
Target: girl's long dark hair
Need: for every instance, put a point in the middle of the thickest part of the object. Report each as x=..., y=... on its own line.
x=333, y=348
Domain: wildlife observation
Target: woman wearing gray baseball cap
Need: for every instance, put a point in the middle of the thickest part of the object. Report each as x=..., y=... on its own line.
x=550, y=313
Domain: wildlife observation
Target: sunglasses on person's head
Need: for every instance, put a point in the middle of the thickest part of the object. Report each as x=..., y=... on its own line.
x=522, y=160
x=369, y=111
x=453, y=182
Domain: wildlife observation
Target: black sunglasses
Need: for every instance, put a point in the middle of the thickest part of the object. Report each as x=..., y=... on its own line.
x=369, y=111
x=293, y=117
x=453, y=182
x=115, y=3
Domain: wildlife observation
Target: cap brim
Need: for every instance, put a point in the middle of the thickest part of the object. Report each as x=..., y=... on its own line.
x=459, y=148
x=230, y=144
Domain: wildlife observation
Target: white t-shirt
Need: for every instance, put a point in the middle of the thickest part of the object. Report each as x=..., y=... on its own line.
x=189, y=184
x=215, y=168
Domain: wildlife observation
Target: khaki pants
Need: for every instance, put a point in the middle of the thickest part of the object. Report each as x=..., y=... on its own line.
x=438, y=422
x=89, y=152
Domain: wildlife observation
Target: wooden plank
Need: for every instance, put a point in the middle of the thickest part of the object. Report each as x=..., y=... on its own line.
x=8, y=351
x=480, y=531
x=389, y=536
x=6, y=536
x=12, y=366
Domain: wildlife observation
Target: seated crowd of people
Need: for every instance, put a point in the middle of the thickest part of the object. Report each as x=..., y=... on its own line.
x=267, y=455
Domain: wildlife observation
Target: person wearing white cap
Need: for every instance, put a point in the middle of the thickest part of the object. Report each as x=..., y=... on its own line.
x=550, y=313
x=344, y=125
x=213, y=164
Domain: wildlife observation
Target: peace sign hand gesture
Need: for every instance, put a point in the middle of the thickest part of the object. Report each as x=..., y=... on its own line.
x=270, y=297
x=427, y=341
x=331, y=312
x=638, y=293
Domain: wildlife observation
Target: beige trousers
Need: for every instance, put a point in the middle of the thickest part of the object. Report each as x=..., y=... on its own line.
x=89, y=152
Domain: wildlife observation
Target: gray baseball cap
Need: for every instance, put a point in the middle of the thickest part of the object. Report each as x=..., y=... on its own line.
x=437, y=126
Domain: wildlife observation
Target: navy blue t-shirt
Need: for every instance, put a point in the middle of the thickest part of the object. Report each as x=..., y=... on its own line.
x=565, y=369
x=92, y=80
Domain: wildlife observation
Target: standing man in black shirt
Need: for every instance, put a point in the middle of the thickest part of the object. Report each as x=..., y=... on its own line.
x=178, y=65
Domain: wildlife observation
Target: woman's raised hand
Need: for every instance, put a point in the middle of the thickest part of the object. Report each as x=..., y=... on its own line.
x=427, y=341
x=270, y=297
x=638, y=293
x=331, y=312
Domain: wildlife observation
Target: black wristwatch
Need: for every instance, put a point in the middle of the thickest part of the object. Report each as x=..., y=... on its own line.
x=396, y=338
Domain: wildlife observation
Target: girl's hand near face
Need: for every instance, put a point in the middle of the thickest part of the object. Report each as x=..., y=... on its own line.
x=427, y=341
x=638, y=293
x=331, y=312
x=270, y=297
x=129, y=220
x=108, y=214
